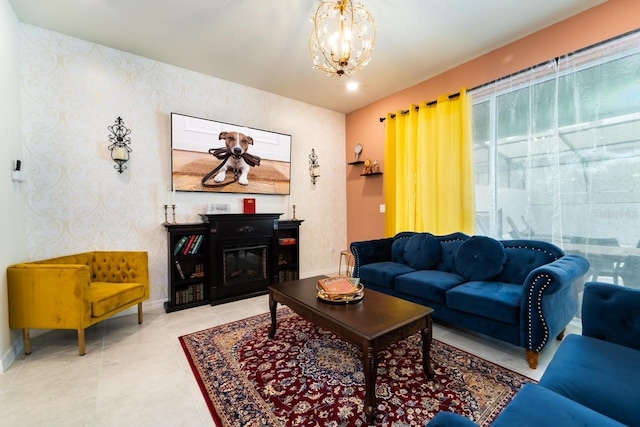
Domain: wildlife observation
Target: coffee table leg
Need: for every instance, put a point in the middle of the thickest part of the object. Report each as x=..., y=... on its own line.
x=427, y=334
x=370, y=366
x=272, y=307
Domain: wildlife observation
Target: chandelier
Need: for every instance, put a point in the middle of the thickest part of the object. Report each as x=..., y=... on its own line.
x=343, y=36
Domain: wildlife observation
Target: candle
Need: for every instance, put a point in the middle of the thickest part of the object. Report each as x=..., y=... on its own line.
x=120, y=153
x=173, y=197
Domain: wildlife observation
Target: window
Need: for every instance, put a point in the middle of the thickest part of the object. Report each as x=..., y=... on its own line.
x=557, y=156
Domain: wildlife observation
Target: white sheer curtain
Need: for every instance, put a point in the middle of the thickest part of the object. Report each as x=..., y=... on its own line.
x=557, y=155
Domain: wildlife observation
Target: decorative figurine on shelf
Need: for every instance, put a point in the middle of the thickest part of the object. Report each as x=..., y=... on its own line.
x=358, y=150
x=367, y=167
x=375, y=167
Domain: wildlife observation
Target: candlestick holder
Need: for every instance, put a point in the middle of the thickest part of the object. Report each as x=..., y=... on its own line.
x=294, y=213
x=173, y=208
x=166, y=222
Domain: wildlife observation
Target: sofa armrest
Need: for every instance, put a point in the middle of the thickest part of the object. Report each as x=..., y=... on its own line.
x=611, y=313
x=370, y=251
x=450, y=419
x=49, y=296
x=549, y=300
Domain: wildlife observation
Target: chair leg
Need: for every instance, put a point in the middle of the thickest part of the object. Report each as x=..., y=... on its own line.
x=81, y=342
x=27, y=341
x=139, y=313
x=561, y=335
x=532, y=359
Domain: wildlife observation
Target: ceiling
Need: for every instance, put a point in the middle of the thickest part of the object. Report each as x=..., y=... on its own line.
x=264, y=44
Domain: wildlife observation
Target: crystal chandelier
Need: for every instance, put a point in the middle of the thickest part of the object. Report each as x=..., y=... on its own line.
x=343, y=36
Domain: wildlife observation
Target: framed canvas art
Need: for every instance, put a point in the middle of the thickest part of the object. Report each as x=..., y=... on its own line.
x=213, y=156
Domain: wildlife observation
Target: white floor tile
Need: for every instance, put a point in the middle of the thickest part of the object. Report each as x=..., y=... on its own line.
x=138, y=374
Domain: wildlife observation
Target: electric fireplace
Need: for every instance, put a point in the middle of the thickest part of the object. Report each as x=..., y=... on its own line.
x=244, y=263
x=242, y=248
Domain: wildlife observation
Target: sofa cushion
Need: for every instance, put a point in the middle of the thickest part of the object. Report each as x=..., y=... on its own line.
x=397, y=250
x=536, y=406
x=493, y=300
x=428, y=284
x=449, y=244
x=382, y=273
x=479, y=258
x=597, y=374
x=106, y=296
x=422, y=251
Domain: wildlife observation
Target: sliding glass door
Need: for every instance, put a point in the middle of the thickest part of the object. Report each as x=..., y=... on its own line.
x=557, y=157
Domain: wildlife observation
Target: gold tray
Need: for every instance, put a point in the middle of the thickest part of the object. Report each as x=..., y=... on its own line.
x=344, y=299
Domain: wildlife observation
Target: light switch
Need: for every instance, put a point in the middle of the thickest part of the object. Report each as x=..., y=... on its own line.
x=383, y=208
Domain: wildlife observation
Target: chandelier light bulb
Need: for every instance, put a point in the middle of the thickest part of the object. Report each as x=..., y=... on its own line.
x=348, y=48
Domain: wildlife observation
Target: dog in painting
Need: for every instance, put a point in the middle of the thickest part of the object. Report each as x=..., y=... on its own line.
x=237, y=144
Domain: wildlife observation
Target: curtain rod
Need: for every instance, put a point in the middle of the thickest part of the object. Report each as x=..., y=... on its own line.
x=628, y=33
x=429, y=104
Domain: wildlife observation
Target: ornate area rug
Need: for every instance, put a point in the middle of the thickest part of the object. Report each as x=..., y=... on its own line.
x=307, y=376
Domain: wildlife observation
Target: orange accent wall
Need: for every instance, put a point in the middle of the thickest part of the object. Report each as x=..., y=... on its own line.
x=366, y=194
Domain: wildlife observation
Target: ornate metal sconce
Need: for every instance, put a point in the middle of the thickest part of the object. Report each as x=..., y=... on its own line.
x=314, y=166
x=119, y=144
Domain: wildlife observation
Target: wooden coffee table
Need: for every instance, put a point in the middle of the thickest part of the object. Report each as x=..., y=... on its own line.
x=370, y=324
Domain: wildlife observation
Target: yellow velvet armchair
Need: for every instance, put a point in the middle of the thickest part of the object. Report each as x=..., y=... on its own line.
x=75, y=291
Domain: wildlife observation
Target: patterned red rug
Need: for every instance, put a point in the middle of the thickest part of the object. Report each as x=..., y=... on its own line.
x=307, y=376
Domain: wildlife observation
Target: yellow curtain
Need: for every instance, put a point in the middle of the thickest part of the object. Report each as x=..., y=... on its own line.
x=429, y=175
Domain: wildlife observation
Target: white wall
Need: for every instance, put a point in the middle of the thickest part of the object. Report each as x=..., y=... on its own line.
x=12, y=228
x=76, y=201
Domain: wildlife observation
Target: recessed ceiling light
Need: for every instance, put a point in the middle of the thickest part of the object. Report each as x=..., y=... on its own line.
x=352, y=86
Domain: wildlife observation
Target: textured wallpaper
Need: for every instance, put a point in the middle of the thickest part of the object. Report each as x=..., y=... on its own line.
x=75, y=199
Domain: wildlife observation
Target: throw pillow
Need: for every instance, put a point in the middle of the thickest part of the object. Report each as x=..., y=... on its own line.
x=422, y=251
x=397, y=250
x=480, y=258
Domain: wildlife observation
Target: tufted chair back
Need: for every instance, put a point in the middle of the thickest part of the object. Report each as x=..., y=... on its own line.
x=118, y=267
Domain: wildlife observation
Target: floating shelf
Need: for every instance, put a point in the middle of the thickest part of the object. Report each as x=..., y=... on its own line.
x=372, y=173
x=359, y=162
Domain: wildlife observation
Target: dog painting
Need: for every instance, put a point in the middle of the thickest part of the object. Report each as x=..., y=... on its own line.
x=237, y=144
x=212, y=156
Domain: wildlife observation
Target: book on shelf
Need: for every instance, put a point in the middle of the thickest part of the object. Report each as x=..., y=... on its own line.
x=287, y=276
x=191, y=294
x=187, y=247
x=196, y=244
x=287, y=241
x=337, y=285
x=199, y=271
x=179, y=268
x=180, y=244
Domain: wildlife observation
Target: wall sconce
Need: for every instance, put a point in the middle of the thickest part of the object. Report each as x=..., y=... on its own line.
x=119, y=144
x=314, y=166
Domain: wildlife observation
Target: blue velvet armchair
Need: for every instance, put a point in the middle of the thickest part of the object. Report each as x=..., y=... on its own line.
x=591, y=380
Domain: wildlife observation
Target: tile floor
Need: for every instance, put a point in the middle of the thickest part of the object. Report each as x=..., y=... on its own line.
x=138, y=375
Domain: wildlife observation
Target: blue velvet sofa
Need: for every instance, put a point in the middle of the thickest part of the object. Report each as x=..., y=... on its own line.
x=592, y=378
x=523, y=292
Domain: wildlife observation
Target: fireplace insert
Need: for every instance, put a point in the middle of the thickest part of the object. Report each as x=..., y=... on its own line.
x=244, y=263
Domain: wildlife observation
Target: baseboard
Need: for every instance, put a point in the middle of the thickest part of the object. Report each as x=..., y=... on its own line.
x=17, y=347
